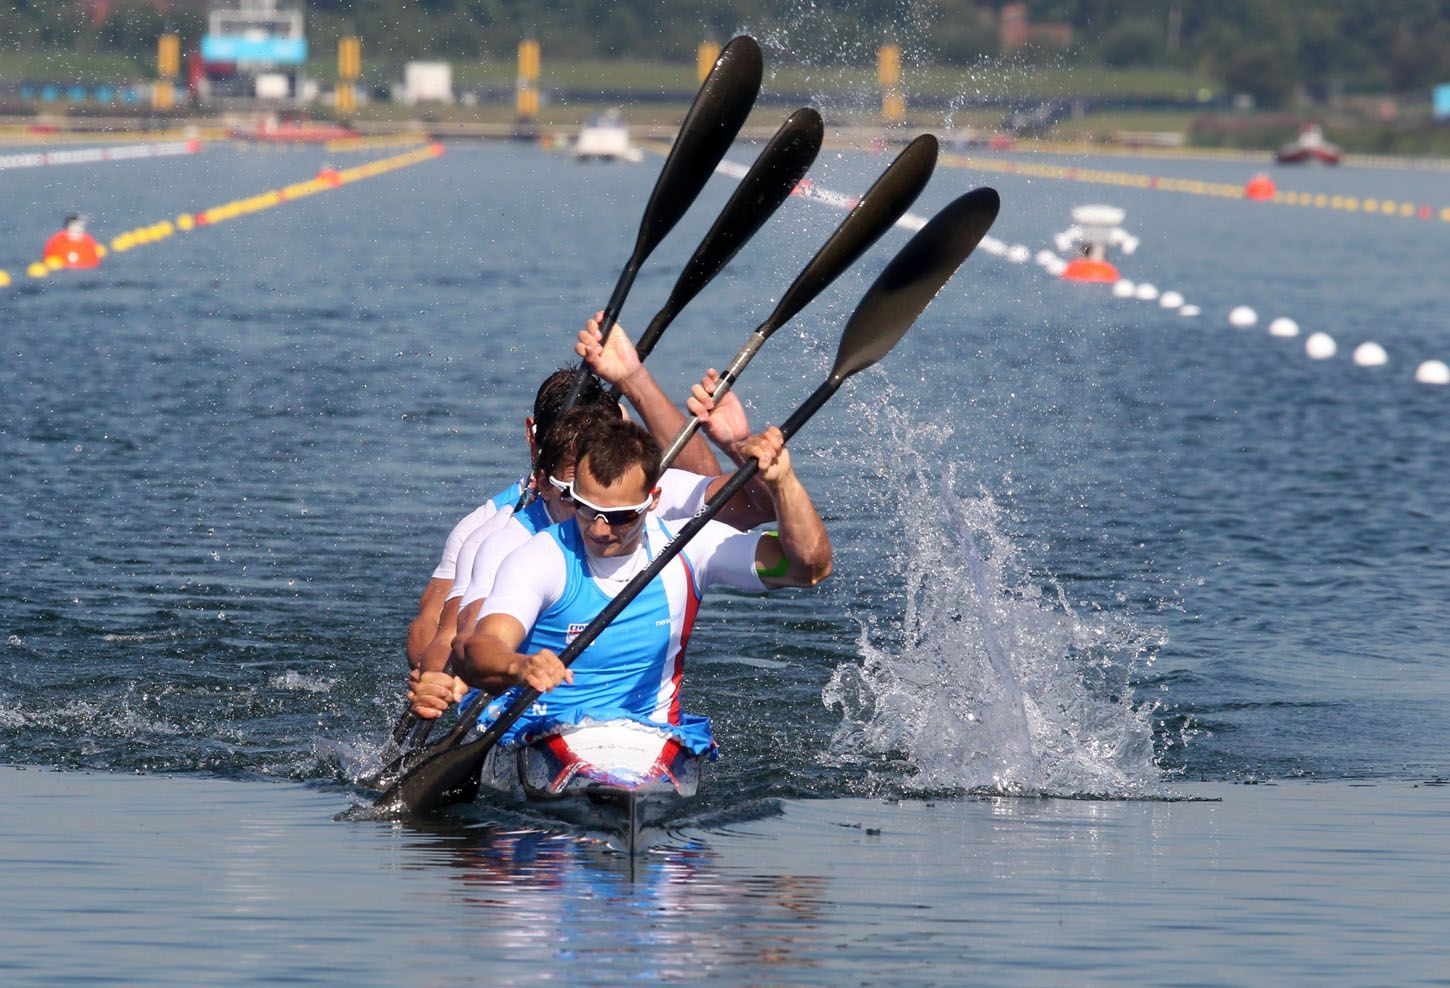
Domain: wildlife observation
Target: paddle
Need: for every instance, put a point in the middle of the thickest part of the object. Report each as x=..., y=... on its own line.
x=714, y=118
x=448, y=771
x=720, y=108
x=875, y=213
x=776, y=172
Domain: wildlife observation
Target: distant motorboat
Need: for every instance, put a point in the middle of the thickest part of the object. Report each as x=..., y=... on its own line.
x=606, y=138
x=1309, y=148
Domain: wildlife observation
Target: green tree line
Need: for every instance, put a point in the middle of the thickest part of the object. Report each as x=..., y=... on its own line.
x=1275, y=50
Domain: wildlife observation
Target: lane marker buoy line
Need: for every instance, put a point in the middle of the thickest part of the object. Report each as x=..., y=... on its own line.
x=1319, y=345
x=1402, y=162
x=1188, y=186
x=82, y=156
x=31, y=134
x=340, y=144
x=324, y=181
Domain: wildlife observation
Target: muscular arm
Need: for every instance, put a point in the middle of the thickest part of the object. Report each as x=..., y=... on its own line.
x=801, y=555
x=424, y=627
x=725, y=422
x=467, y=622
x=435, y=656
x=492, y=662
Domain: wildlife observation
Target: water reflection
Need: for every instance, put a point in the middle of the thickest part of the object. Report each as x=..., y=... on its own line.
x=534, y=896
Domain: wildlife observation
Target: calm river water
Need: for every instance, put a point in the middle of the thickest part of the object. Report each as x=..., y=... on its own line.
x=1133, y=669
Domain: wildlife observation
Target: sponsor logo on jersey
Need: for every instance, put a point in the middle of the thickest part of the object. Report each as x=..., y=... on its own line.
x=575, y=630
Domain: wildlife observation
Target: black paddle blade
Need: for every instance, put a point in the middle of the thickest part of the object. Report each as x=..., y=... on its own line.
x=442, y=776
x=776, y=172
x=719, y=110
x=912, y=279
x=889, y=196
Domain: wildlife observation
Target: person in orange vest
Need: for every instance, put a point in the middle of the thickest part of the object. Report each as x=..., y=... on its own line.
x=72, y=246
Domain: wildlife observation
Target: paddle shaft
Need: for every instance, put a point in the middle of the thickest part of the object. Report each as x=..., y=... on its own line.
x=722, y=387
x=877, y=211
x=611, y=316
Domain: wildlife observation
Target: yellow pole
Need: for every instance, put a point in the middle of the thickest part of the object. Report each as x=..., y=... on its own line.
x=349, y=67
x=526, y=93
x=168, y=66
x=888, y=74
x=705, y=57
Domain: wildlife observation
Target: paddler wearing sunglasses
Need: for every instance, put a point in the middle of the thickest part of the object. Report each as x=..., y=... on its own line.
x=614, y=363
x=680, y=496
x=553, y=586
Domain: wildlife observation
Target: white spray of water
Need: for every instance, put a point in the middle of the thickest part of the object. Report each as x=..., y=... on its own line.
x=985, y=680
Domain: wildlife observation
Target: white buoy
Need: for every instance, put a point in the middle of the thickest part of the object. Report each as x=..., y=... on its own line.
x=1190, y=311
x=1146, y=292
x=1370, y=355
x=1045, y=258
x=1123, y=288
x=1019, y=254
x=993, y=246
x=1320, y=346
x=1284, y=326
x=1242, y=317
x=1055, y=266
x=1433, y=372
x=1171, y=300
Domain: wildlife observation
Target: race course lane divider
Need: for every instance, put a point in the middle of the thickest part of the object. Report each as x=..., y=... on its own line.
x=1134, y=180
x=78, y=156
x=324, y=181
x=1318, y=346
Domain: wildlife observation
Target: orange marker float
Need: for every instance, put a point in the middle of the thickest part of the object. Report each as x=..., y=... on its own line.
x=73, y=247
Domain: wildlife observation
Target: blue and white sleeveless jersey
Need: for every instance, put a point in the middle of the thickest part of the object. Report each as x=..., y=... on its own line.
x=682, y=494
x=447, y=568
x=635, y=669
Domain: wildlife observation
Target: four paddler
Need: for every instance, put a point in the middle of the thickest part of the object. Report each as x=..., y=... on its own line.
x=616, y=366
x=563, y=576
x=496, y=530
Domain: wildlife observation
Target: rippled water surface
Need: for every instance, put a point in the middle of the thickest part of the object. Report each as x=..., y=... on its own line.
x=1086, y=546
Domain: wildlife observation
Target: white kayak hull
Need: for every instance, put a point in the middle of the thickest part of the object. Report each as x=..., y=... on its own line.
x=618, y=778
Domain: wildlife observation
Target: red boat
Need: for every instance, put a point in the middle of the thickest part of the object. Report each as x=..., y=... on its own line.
x=1309, y=148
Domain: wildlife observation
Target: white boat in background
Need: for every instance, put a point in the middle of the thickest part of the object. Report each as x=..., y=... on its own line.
x=1309, y=148
x=606, y=138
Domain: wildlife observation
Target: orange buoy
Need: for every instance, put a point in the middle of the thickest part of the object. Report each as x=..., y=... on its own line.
x=1090, y=269
x=72, y=247
x=1260, y=188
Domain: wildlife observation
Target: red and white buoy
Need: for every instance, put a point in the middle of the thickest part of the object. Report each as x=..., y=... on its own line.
x=1094, y=230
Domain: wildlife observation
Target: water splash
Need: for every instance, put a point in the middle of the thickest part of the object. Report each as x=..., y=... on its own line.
x=986, y=680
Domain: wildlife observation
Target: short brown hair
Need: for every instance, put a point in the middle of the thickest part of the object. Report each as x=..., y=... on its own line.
x=615, y=447
x=549, y=400
x=561, y=443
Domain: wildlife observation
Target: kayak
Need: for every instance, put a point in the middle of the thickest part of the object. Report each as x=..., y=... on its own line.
x=618, y=778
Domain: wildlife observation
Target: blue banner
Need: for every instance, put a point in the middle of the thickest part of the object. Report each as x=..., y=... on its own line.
x=277, y=51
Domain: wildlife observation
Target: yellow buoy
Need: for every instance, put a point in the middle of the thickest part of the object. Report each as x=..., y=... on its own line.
x=54, y=263
x=185, y=221
x=4, y=278
x=37, y=270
